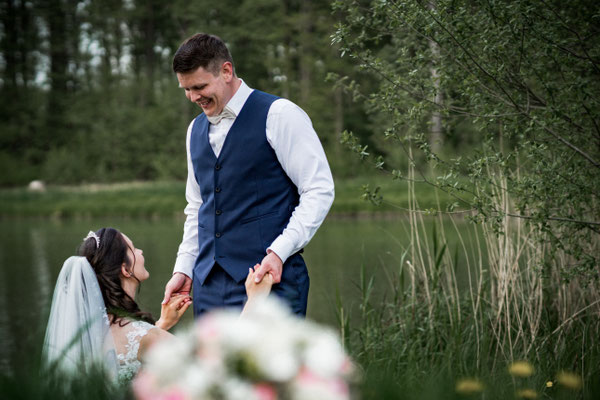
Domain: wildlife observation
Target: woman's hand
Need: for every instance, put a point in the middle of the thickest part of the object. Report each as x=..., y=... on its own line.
x=258, y=290
x=172, y=311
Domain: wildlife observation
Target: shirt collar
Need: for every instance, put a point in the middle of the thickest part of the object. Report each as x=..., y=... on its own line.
x=238, y=100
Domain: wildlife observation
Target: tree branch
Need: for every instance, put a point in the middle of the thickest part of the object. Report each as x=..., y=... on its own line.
x=560, y=219
x=571, y=146
x=573, y=31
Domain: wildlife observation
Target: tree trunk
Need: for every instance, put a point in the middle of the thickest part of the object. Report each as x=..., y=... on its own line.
x=305, y=51
x=436, y=133
x=436, y=138
x=9, y=45
x=59, y=61
x=338, y=97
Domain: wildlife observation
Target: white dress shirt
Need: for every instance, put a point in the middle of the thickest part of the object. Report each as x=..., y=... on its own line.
x=298, y=149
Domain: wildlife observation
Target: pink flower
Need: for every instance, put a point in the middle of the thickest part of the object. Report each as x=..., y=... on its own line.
x=306, y=376
x=336, y=386
x=265, y=391
x=347, y=367
x=174, y=393
x=339, y=387
x=207, y=328
x=143, y=387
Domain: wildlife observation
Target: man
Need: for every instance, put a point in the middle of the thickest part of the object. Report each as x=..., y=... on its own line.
x=258, y=187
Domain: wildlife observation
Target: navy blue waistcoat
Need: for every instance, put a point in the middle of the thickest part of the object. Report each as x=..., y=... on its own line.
x=247, y=196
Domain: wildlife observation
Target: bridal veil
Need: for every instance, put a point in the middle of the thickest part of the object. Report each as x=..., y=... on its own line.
x=78, y=337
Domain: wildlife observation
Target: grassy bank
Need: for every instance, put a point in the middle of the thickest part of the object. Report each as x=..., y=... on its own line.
x=141, y=199
x=516, y=329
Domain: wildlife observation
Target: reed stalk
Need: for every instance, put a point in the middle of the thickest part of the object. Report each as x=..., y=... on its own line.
x=500, y=298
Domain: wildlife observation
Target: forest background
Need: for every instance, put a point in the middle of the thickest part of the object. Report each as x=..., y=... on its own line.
x=88, y=94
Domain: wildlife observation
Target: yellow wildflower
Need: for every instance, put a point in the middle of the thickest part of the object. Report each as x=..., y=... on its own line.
x=522, y=369
x=549, y=384
x=469, y=386
x=527, y=394
x=569, y=380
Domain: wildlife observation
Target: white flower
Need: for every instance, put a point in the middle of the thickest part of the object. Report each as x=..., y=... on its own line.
x=167, y=359
x=249, y=358
x=236, y=389
x=269, y=309
x=324, y=354
x=196, y=380
x=242, y=333
x=278, y=365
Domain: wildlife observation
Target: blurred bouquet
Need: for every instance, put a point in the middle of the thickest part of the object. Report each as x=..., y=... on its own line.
x=267, y=354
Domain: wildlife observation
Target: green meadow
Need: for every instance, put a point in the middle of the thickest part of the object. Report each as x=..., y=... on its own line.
x=167, y=199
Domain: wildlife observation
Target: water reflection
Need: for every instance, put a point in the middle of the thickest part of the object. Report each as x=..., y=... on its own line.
x=40, y=266
x=33, y=251
x=6, y=338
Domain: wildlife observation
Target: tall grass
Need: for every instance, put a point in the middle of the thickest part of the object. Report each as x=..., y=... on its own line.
x=39, y=385
x=472, y=311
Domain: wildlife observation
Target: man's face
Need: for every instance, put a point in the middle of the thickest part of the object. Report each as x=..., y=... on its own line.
x=211, y=92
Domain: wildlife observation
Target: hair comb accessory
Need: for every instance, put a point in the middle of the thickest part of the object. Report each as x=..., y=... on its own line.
x=93, y=235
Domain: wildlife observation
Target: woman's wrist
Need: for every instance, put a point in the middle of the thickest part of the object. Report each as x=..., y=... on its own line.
x=162, y=324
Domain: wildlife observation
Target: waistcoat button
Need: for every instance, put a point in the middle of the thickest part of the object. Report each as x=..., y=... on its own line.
x=217, y=189
x=218, y=167
x=218, y=212
x=218, y=234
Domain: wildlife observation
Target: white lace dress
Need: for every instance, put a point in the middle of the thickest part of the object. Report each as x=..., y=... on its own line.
x=127, y=344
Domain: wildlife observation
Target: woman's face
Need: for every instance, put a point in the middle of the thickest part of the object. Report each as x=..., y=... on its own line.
x=136, y=256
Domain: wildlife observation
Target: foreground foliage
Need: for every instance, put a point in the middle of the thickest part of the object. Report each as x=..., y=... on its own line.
x=479, y=320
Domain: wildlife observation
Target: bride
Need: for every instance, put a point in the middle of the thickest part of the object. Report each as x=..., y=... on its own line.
x=94, y=320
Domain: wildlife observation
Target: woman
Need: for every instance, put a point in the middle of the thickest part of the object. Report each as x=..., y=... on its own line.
x=95, y=320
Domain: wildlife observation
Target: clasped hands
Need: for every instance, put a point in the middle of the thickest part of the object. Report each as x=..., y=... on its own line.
x=173, y=310
x=259, y=280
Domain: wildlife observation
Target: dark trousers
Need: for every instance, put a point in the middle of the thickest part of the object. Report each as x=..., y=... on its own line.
x=220, y=290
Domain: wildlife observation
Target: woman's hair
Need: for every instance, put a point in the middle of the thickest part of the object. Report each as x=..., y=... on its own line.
x=106, y=260
x=201, y=50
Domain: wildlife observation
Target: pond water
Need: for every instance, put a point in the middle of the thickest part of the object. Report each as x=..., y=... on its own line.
x=32, y=252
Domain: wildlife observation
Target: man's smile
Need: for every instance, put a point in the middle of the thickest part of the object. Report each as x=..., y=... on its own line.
x=204, y=102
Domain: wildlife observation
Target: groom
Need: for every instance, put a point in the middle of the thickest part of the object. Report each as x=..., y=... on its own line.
x=258, y=187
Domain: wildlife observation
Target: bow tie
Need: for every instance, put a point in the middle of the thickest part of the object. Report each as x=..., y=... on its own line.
x=226, y=113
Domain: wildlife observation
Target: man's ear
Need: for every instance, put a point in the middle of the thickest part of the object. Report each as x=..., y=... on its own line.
x=227, y=71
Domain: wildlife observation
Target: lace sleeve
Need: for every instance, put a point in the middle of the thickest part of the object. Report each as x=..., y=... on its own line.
x=129, y=363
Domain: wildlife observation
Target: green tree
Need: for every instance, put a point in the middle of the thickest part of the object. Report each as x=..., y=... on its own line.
x=87, y=91
x=282, y=47
x=521, y=78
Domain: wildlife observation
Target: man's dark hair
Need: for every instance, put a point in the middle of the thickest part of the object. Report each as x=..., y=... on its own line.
x=201, y=50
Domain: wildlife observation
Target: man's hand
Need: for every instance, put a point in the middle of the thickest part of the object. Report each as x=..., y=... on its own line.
x=178, y=284
x=271, y=263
